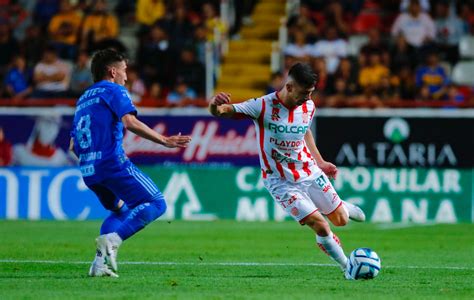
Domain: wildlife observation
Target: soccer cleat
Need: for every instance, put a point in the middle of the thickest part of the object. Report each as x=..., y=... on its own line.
x=101, y=270
x=346, y=271
x=355, y=212
x=109, y=244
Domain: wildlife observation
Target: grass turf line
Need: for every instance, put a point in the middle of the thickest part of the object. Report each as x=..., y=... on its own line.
x=209, y=246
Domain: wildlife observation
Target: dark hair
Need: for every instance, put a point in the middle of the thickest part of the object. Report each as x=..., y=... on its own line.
x=103, y=59
x=303, y=75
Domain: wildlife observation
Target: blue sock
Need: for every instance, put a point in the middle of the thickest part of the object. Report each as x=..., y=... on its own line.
x=141, y=216
x=114, y=220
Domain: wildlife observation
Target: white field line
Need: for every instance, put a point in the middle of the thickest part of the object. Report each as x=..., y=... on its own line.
x=232, y=264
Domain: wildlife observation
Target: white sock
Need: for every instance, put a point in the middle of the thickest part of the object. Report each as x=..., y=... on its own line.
x=329, y=245
x=114, y=238
x=99, y=257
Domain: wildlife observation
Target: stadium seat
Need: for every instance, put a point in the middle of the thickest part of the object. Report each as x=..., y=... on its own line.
x=463, y=73
x=466, y=46
x=355, y=43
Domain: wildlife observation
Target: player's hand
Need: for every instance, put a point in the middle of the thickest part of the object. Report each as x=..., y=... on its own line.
x=177, y=141
x=220, y=98
x=329, y=169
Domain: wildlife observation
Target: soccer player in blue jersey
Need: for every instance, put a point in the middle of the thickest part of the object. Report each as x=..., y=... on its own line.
x=102, y=113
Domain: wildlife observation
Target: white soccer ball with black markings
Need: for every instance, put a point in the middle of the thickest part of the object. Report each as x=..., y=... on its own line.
x=363, y=263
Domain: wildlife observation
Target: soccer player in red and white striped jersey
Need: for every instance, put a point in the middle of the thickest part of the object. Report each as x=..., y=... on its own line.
x=294, y=172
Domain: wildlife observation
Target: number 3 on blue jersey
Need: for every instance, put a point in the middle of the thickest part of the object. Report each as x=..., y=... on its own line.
x=83, y=131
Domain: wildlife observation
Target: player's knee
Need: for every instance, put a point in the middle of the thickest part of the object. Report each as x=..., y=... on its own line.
x=160, y=206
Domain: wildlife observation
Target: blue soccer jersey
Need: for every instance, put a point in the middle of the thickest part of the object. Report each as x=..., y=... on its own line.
x=98, y=129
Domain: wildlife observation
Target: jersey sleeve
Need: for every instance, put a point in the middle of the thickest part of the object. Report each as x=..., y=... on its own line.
x=250, y=108
x=121, y=103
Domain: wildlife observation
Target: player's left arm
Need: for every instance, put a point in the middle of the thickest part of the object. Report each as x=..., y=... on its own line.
x=136, y=126
x=328, y=168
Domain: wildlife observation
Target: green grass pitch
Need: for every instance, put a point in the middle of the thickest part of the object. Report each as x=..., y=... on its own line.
x=232, y=260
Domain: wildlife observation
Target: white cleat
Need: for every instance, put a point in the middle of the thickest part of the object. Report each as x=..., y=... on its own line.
x=109, y=244
x=101, y=270
x=355, y=212
x=347, y=275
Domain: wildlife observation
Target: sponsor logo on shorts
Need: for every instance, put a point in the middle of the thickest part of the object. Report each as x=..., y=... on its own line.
x=334, y=197
x=326, y=188
x=321, y=181
x=288, y=202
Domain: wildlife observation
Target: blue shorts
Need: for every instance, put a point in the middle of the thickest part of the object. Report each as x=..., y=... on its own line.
x=129, y=184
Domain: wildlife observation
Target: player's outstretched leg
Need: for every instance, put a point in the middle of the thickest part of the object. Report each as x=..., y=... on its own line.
x=139, y=217
x=326, y=239
x=354, y=211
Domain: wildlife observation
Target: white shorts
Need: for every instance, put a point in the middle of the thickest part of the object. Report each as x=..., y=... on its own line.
x=302, y=199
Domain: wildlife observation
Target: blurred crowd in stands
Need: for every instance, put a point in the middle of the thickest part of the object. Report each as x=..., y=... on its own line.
x=46, y=45
x=409, y=48
x=405, y=50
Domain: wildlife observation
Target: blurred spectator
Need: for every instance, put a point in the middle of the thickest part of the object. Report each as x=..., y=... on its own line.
x=449, y=30
x=402, y=54
x=370, y=76
x=180, y=29
x=181, y=96
x=32, y=44
x=212, y=21
x=331, y=48
x=43, y=12
x=199, y=43
x=424, y=5
x=51, y=76
x=81, y=76
x=191, y=71
x=341, y=95
x=348, y=72
x=375, y=43
x=276, y=83
x=466, y=12
x=454, y=95
x=148, y=11
x=432, y=77
x=416, y=26
x=302, y=21
x=100, y=27
x=156, y=58
x=387, y=90
x=134, y=84
x=18, y=80
x=243, y=11
x=8, y=46
x=334, y=16
x=64, y=30
x=18, y=18
x=6, y=150
x=153, y=96
x=406, y=83
x=319, y=67
x=298, y=48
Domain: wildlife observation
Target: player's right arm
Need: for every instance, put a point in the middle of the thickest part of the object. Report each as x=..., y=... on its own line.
x=136, y=126
x=220, y=106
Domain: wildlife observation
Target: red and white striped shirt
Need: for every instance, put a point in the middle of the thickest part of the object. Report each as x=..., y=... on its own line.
x=280, y=135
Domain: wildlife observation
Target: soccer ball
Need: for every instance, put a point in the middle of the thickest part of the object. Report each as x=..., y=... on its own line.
x=363, y=263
